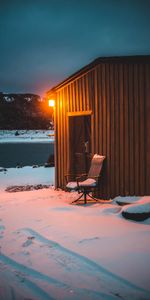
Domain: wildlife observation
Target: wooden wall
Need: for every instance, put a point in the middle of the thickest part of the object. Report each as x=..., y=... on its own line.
x=118, y=94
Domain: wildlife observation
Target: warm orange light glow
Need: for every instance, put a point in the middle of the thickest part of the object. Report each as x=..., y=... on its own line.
x=51, y=102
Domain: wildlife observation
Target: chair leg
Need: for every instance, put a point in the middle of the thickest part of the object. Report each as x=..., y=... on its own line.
x=77, y=199
x=85, y=198
x=92, y=197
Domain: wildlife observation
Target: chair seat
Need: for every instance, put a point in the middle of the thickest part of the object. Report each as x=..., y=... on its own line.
x=72, y=185
x=90, y=182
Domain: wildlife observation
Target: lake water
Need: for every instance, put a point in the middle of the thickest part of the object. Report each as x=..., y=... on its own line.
x=24, y=154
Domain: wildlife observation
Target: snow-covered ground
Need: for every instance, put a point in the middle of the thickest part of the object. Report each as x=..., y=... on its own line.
x=50, y=249
x=31, y=136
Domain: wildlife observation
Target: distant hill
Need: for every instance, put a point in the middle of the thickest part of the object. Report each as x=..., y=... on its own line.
x=24, y=111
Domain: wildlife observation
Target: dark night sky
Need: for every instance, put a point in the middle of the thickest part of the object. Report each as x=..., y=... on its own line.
x=44, y=41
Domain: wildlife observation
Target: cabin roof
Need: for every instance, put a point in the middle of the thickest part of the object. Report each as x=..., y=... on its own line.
x=113, y=59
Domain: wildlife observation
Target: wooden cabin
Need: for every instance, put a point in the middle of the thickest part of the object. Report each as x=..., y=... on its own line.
x=104, y=108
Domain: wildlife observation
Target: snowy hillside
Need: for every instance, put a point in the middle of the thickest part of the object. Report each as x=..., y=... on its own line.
x=7, y=136
x=24, y=111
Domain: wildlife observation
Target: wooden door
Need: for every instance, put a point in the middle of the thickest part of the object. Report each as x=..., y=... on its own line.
x=79, y=144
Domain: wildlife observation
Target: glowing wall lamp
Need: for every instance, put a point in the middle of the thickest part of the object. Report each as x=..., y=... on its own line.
x=51, y=102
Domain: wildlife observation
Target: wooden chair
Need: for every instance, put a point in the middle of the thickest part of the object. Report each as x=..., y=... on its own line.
x=86, y=183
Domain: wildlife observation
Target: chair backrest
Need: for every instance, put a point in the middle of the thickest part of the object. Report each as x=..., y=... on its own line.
x=96, y=166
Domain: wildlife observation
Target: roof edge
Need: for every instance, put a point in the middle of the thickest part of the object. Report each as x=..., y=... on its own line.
x=116, y=59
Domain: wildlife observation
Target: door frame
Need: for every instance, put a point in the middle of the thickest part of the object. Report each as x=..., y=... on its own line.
x=76, y=114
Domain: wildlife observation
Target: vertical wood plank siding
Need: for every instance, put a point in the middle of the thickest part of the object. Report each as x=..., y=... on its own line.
x=147, y=132
x=131, y=132
x=119, y=96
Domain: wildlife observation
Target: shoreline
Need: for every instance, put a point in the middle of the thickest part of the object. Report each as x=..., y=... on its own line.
x=26, y=141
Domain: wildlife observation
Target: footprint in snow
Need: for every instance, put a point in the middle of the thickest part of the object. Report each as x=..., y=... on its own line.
x=38, y=220
x=112, y=210
x=2, y=228
x=61, y=209
x=89, y=240
x=29, y=241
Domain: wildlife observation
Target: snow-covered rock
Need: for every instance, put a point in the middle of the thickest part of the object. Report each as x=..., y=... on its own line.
x=137, y=212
